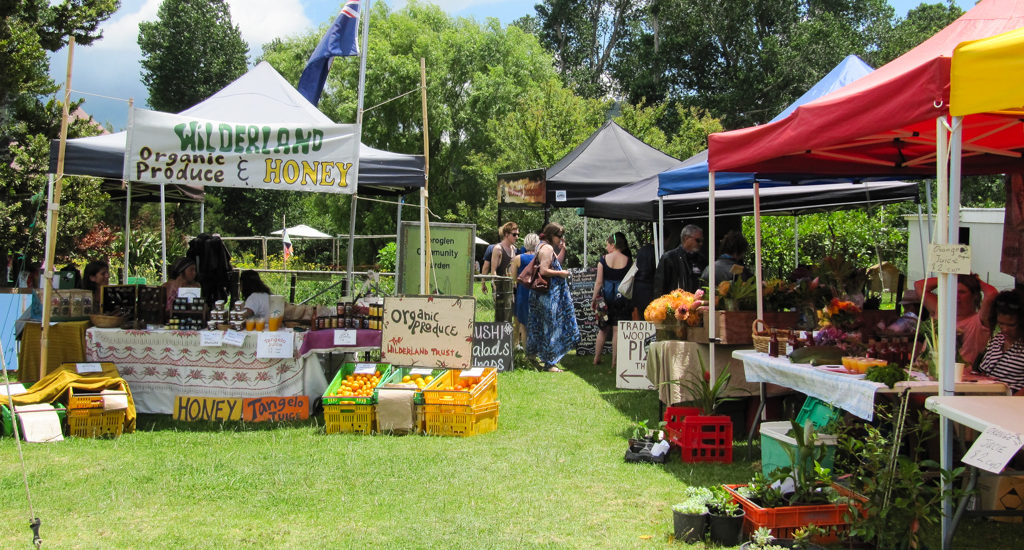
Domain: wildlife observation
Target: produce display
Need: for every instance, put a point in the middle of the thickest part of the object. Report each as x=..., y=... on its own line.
x=418, y=379
x=357, y=385
x=862, y=364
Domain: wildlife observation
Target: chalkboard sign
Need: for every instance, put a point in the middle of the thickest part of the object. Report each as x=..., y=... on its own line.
x=581, y=287
x=492, y=345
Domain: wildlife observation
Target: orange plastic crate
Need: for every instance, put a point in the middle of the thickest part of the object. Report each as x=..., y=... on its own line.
x=785, y=520
x=461, y=420
x=485, y=392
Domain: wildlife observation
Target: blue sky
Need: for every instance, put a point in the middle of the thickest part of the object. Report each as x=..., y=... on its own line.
x=107, y=73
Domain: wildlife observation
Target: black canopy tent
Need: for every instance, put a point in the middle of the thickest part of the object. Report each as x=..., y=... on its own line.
x=611, y=157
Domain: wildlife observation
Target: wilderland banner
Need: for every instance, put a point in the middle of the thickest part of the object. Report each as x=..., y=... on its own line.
x=170, y=148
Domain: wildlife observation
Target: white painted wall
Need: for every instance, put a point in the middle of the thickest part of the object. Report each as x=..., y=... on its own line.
x=986, y=227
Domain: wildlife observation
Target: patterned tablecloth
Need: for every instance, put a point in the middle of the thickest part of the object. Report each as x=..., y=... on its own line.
x=162, y=364
x=850, y=393
x=322, y=341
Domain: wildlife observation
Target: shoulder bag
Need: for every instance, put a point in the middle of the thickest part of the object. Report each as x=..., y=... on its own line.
x=626, y=286
x=531, y=277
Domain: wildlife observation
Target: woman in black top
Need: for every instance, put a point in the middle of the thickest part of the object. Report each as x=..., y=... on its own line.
x=612, y=267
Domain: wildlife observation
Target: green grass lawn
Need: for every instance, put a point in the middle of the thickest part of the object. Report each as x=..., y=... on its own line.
x=551, y=476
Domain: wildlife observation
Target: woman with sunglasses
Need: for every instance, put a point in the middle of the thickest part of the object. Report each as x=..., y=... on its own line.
x=1004, y=355
x=552, y=329
x=611, y=269
x=501, y=260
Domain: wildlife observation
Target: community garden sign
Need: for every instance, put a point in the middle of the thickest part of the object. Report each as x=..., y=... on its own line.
x=178, y=149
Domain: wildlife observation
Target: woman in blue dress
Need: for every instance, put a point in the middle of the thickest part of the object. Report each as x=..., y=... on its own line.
x=522, y=291
x=552, y=329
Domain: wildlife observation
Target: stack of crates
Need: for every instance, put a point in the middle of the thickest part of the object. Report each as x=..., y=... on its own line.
x=87, y=416
x=462, y=412
x=774, y=438
x=8, y=422
x=398, y=374
x=350, y=414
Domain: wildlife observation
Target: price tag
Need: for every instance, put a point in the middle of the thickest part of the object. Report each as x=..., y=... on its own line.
x=210, y=338
x=993, y=449
x=949, y=258
x=344, y=337
x=88, y=367
x=475, y=371
x=365, y=368
x=421, y=371
x=233, y=338
x=560, y=195
x=189, y=292
x=275, y=345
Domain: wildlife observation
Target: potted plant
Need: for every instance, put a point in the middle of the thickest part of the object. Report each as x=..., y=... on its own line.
x=644, y=445
x=725, y=518
x=704, y=437
x=762, y=539
x=690, y=517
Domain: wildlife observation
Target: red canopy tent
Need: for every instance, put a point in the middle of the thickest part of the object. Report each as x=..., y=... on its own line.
x=884, y=123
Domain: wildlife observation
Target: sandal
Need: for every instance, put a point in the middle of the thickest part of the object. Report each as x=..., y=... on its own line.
x=553, y=368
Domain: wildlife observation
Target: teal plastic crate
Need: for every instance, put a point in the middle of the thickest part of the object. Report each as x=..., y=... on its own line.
x=819, y=412
x=774, y=443
x=8, y=426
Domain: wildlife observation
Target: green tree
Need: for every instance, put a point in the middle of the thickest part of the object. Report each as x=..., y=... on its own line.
x=191, y=51
x=920, y=24
x=584, y=36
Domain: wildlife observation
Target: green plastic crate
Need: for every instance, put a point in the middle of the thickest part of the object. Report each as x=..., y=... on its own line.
x=397, y=373
x=819, y=412
x=345, y=370
x=774, y=442
x=8, y=426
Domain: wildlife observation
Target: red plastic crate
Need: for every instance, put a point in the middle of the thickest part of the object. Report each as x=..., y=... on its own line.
x=706, y=439
x=784, y=520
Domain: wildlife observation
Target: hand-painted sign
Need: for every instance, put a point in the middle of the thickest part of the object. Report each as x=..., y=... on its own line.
x=492, y=345
x=275, y=345
x=250, y=409
x=631, y=356
x=527, y=187
x=451, y=249
x=170, y=148
x=434, y=331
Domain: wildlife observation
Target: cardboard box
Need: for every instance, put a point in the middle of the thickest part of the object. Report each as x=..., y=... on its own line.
x=1001, y=492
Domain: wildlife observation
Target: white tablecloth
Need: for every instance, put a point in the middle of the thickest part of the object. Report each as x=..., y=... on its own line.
x=162, y=364
x=856, y=396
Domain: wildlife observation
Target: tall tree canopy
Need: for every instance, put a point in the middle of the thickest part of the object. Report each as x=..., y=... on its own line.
x=191, y=51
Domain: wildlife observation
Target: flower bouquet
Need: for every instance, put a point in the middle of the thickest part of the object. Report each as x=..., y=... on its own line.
x=843, y=315
x=674, y=312
x=737, y=295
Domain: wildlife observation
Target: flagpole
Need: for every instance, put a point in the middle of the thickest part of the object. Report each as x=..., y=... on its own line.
x=284, y=238
x=364, y=15
x=424, y=219
x=52, y=214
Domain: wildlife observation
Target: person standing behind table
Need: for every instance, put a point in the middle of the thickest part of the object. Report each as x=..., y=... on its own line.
x=643, y=280
x=1004, y=355
x=611, y=268
x=552, y=328
x=183, y=275
x=501, y=261
x=681, y=267
x=255, y=293
x=522, y=306
x=95, y=276
x=733, y=247
x=974, y=299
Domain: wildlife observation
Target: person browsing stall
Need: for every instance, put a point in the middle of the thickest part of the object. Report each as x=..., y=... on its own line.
x=611, y=269
x=682, y=266
x=552, y=331
x=1004, y=355
x=522, y=302
x=974, y=299
x=501, y=261
x=730, y=263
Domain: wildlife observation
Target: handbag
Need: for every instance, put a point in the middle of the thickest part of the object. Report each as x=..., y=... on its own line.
x=626, y=285
x=531, y=277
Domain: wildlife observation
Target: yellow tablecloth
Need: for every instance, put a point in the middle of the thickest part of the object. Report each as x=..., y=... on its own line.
x=54, y=387
x=65, y=344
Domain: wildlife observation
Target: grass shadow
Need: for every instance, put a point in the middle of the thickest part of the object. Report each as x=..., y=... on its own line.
x=165, y=422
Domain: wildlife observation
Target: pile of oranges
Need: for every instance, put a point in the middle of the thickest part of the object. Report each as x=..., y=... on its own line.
x=462, y=383
x=357, y=385
x=418, y=379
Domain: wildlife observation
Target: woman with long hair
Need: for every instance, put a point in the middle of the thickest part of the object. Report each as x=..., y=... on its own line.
x=522, y=291
x=611, y=269
x=1004, y=355
x=552, y=324
x=255, y=293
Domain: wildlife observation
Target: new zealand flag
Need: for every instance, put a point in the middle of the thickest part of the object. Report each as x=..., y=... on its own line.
x=340, y=40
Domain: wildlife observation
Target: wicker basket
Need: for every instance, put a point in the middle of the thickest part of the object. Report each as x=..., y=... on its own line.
x=106, y=321
x=763, y=335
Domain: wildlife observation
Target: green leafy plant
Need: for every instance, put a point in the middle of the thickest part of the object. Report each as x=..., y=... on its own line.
x=807, y=484
x=721, y=503
x=704, y=394
x=738, y=295
x=693, y=506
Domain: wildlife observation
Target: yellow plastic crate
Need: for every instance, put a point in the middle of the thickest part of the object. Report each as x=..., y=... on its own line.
x=461, y=420
x=421, y=420
x=95, y=422
x=485, y=392
x=350, y=418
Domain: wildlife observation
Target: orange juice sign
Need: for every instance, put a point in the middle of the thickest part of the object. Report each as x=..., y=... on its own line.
x=250, y=409
x=434, y=331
